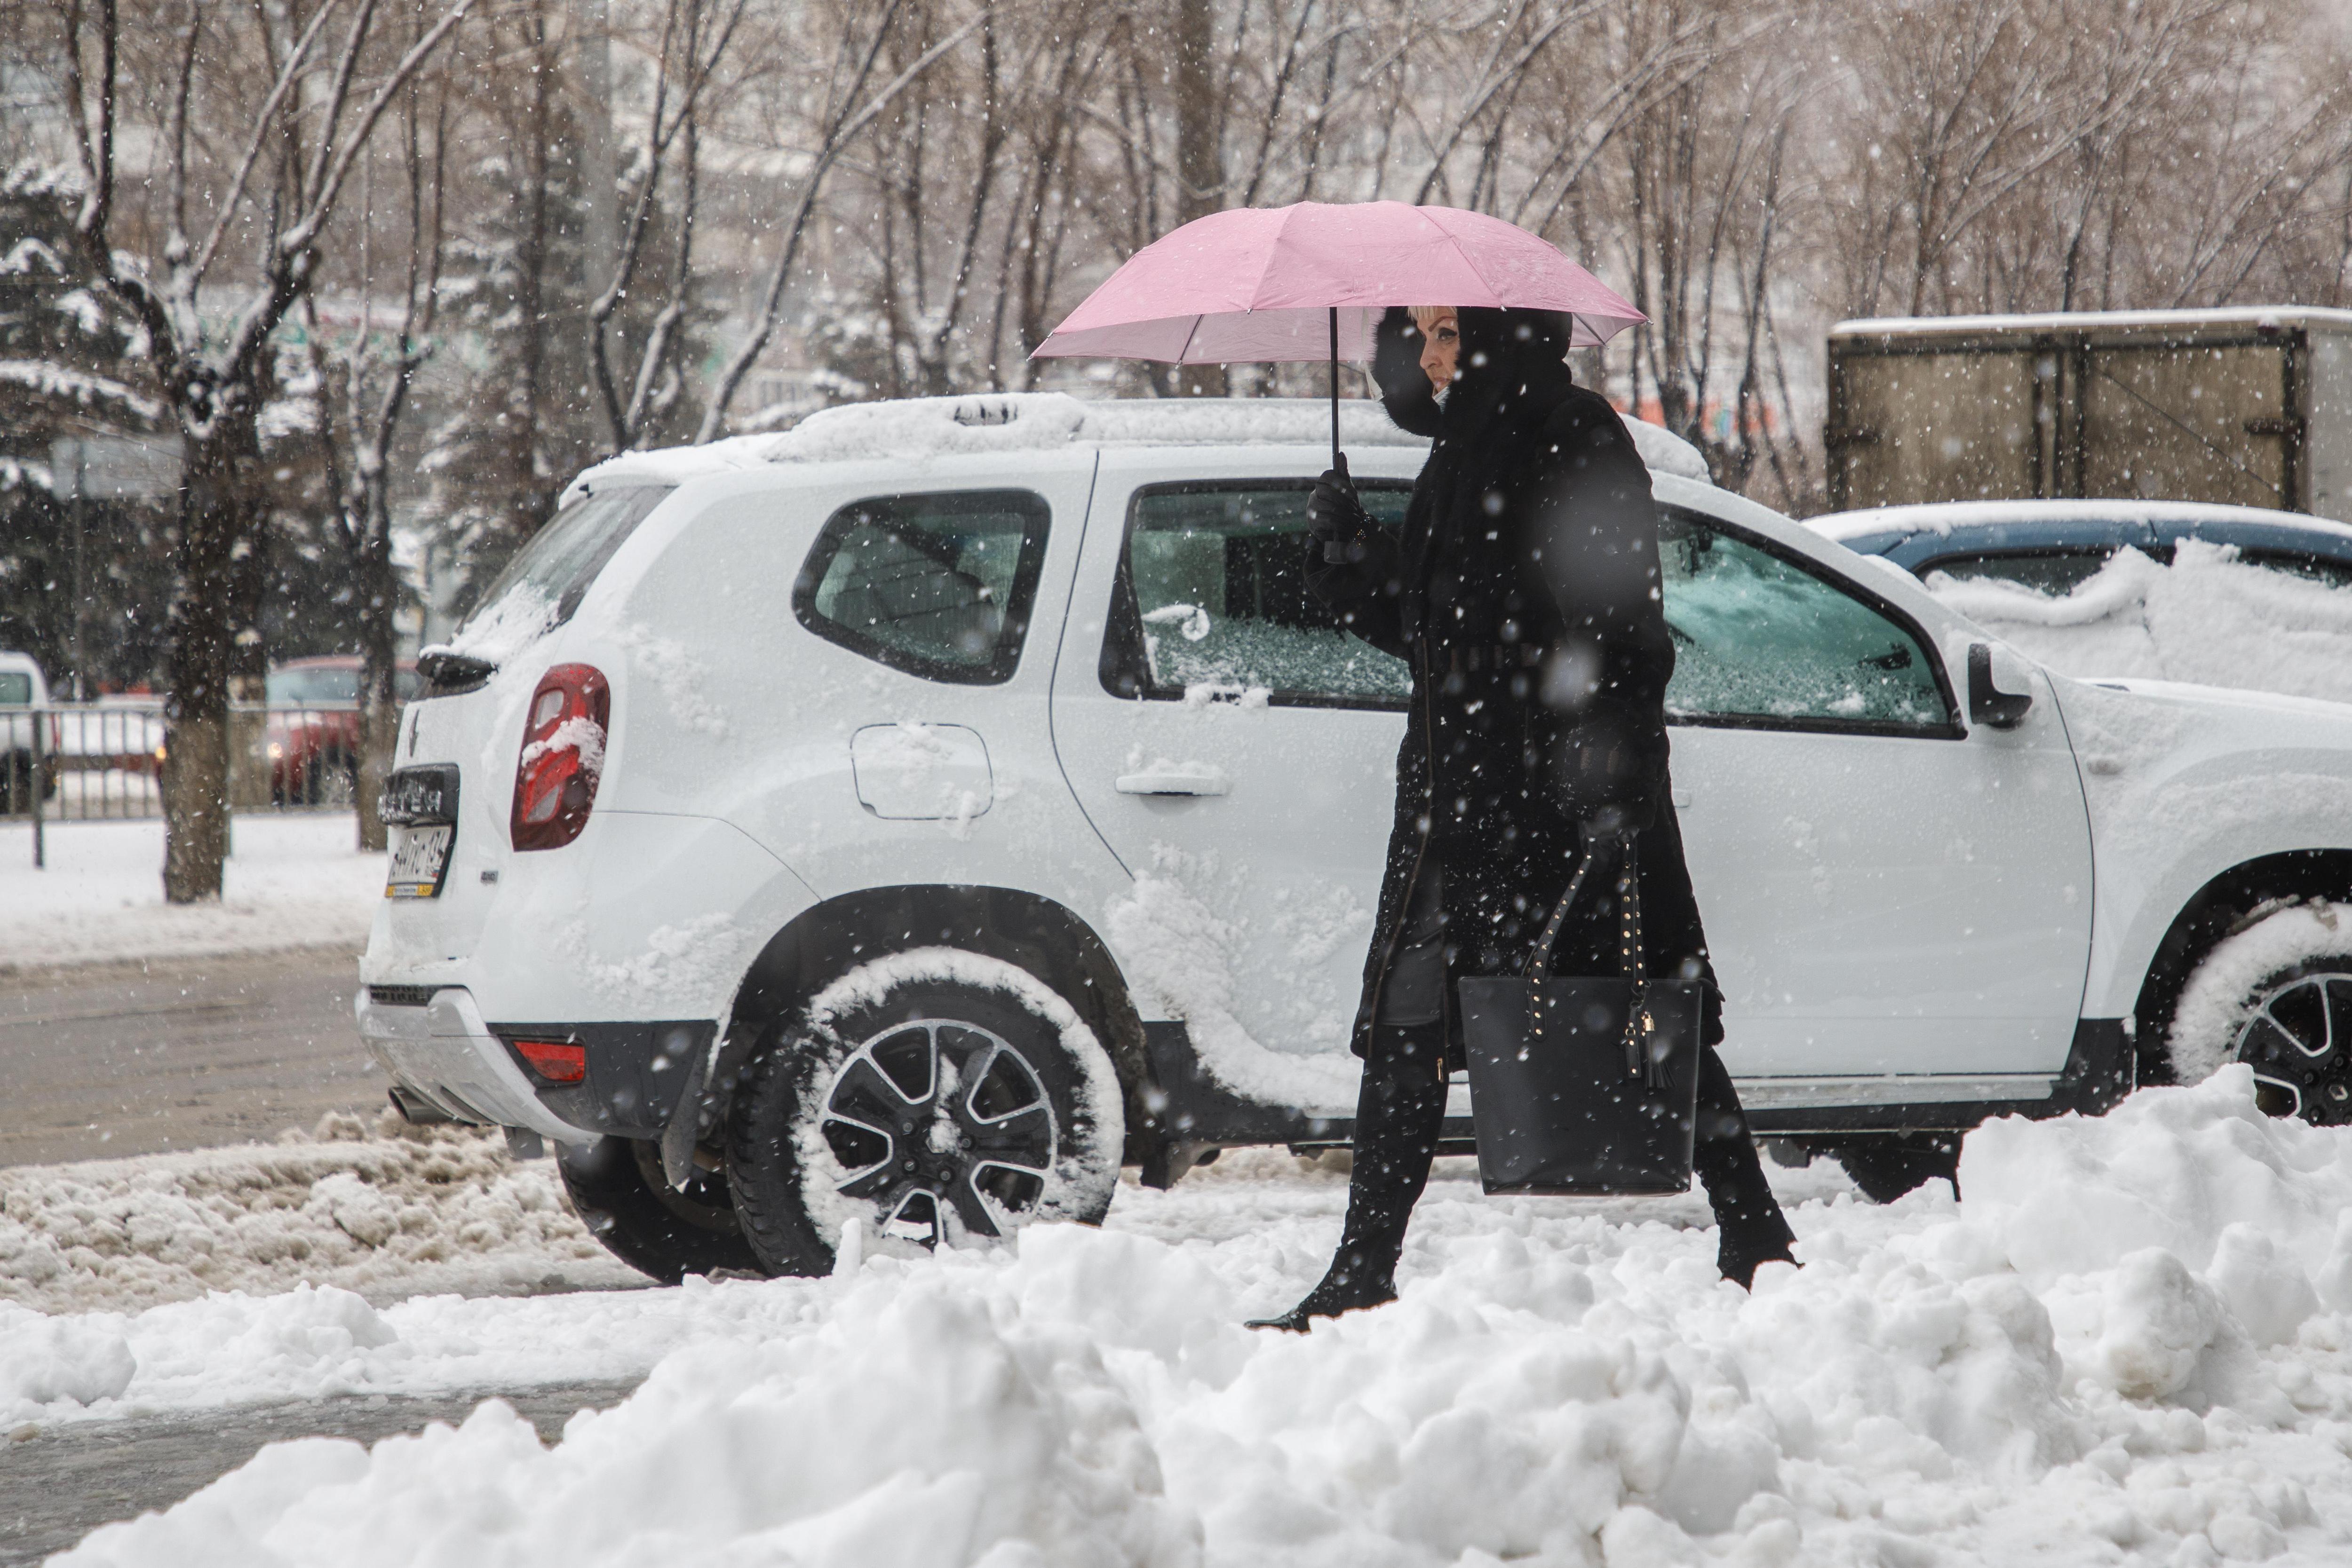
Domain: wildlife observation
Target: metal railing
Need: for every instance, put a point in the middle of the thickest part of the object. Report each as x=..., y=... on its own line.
x=70, y=762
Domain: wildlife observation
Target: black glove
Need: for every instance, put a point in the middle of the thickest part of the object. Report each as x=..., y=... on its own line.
x=1336, y=517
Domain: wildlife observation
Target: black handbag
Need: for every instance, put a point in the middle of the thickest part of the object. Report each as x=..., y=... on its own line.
x=1584, y=1085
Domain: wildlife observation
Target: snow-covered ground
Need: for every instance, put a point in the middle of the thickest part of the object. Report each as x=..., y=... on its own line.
x=2208, y=618
x=292, y=881
x=2131, y=1342
x=370, y=1205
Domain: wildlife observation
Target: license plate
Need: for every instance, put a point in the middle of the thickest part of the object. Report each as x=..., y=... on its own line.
x=420, y=857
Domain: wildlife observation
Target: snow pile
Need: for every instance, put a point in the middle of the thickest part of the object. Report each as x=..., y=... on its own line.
x=912, y=1428
x=292, y=882
x=2209, y=618
x=2182, y=1170
x=388, y=1210
x=2134, y=1342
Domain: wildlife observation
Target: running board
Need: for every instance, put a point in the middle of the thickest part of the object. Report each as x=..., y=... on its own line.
x=1189, y=1113
x=1911, y=1089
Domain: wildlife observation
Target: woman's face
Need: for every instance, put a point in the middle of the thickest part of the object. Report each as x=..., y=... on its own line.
x=1440, y=336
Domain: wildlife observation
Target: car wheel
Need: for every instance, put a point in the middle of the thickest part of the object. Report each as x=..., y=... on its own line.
x=616, y=1185
x=1887, y=1167
x=929, y=1098
x=16, y=782
x=2276, y=995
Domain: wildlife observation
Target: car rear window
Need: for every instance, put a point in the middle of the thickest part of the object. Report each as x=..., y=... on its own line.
x=16, y=688
x=545, y=581
x=321, y=685
x=938, y=585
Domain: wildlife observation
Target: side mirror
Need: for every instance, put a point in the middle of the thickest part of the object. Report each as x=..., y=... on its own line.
x=1988, y=704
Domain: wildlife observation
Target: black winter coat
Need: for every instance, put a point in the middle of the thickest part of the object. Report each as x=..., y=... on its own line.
x=1524, y=591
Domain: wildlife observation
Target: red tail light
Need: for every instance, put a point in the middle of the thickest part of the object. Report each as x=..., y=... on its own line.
x=563, y=756
x=557, y=1060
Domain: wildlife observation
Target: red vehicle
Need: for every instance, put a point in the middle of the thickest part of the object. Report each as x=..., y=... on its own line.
x=313, y=730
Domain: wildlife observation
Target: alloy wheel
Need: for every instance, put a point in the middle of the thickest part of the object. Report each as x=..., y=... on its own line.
x=934, y=1114
x=2298, y=1040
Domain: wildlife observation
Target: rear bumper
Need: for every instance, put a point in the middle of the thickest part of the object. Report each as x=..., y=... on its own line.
x=443, y=1053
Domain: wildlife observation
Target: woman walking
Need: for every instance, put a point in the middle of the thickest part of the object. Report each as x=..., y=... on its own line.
x=1524, y=589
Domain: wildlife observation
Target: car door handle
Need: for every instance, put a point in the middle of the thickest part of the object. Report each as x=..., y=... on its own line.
x=1175, y=781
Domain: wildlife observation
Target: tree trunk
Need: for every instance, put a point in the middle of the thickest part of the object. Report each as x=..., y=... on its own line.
x=215, y=537
x=1200, y=160
x=379, y=592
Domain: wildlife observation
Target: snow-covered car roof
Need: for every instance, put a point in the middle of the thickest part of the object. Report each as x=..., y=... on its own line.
x=1946, y=517
x=916, y=428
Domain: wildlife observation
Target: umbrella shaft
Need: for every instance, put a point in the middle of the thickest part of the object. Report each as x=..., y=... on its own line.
x=1335, y=386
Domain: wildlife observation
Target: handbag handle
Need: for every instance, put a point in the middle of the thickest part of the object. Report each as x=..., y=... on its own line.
x=1640, y=1060
x=1629, y=915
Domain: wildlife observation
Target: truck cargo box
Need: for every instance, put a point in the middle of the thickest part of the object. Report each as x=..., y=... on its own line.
x=2248, y=406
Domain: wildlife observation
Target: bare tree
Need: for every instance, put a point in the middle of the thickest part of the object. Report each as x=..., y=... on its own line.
x=849, y=107
x=694, y=39
x=321, y=104
x=376, y=374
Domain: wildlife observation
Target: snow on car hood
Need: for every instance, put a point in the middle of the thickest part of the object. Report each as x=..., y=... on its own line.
x=2208, y=619
x=917, y=429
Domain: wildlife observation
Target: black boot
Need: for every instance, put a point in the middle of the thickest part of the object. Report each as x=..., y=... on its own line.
x=1749, y=1227
x=1400, y=1110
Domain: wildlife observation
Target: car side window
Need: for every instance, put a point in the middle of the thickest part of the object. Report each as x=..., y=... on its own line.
x=937, y=585
x=1211, y=596
x=1762, y=641
x=2054, y=573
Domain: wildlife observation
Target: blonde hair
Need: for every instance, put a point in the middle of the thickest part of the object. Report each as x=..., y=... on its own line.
x=1426, y=315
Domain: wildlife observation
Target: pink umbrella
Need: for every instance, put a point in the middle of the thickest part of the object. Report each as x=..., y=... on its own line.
x=1310, y=281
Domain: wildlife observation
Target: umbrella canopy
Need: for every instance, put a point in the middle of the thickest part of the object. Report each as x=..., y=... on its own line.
x=1310, y=281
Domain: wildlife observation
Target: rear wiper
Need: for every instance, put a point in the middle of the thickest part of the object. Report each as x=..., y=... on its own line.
x=448, y=671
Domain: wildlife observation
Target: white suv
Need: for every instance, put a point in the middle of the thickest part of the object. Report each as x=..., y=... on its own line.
x=897, y=824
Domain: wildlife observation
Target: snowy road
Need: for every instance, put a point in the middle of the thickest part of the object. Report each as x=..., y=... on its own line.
x=102, y=1060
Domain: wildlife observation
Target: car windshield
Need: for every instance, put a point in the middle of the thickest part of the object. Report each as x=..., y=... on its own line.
x=16, y=688
x=323, y=685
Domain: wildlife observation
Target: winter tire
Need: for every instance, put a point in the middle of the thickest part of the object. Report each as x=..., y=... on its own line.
x=930, y=1097
x=2275, y=994
x=616, y=1185
x=1887, y=1167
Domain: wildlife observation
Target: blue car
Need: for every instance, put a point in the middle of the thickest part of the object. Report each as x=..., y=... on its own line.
x=2054, y=546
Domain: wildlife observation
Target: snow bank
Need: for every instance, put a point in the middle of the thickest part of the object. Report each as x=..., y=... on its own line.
x=2134, y=1342
x=386, y=1209
x=2170, y=1168
x=292, y=882
x=2208, y=619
